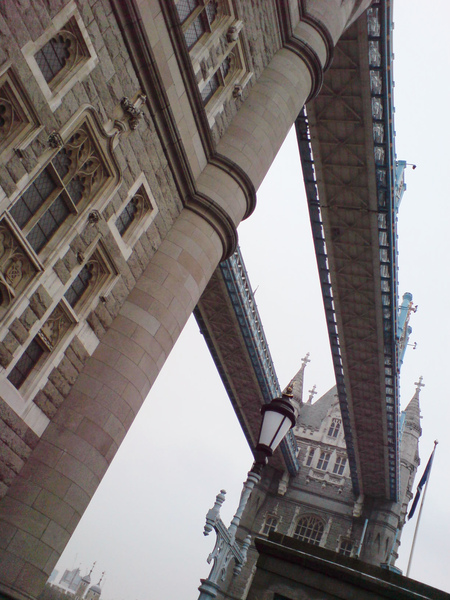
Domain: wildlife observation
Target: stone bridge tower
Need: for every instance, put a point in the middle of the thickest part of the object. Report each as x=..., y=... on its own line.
x=318, y=505
x=133, y=137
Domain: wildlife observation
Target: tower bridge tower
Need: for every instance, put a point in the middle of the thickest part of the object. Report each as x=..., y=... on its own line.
x=318, y=505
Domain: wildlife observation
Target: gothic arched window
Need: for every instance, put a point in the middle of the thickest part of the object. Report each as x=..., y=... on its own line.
x=334, y=429
x=309, y=529
x=270, y=524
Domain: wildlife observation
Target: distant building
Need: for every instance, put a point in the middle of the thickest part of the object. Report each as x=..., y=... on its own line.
x=73, y=584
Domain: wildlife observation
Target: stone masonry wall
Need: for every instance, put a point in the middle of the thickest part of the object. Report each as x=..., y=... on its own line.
x=137, y=152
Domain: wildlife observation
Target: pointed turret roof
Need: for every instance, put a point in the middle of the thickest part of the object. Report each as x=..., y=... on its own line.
x=312, y=415
x=296, y=384
x=412, y=411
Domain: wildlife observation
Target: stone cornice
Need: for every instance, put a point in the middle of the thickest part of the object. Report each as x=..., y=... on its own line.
x=128, y=16
x=321, y=30
x=219, y=220
x=287, y=30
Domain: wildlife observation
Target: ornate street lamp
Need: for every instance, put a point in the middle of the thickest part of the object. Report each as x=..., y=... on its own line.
x=278, y=418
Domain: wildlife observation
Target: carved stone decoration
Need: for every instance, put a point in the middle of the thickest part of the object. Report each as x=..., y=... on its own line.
x=55, y=140
x=97, y=269
x=16, y=269
x=94, y=217
x=10, y=118
x=86, y=164
x=132, y=110
x=54, y=328
x=233, y=31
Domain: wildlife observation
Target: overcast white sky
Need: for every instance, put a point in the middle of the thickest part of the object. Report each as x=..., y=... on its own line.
x=144, y=525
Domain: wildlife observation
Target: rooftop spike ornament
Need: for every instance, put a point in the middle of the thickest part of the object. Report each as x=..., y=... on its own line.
x=278, y=418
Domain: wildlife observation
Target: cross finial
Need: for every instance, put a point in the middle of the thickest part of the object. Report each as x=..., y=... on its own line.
x=419, y=384
x=312, y=393
x=306, y=360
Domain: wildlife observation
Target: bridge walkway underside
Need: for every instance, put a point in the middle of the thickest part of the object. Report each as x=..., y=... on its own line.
x=354, y=233
x=354, y=229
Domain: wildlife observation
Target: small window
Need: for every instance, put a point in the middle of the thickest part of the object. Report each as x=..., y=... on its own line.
x=89, y=281
x=339, y=465
x=309, y=529
x=270, y=524
x=62, y=56
x=46, y=340
x=335, y=426
x=26, y=363
x=323, y=461
x=310, y=456
x=134, y=212
x=346, y=547
x=79, y=285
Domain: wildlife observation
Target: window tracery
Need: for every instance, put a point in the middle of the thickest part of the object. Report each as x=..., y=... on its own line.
x=62, y=53
x=309, y=529
x=74, y=177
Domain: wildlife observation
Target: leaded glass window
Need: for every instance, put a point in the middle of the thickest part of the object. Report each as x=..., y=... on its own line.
x=26, y=363
x=309, y=529
x=133, y=212
x=53, y=57
x=196, y=18
x=127, y=216
x=323, y=461
x=335, y=426
x=63, y=53
x=79, y=285
x=71, y=179
x=339, y=465
x=211, y=86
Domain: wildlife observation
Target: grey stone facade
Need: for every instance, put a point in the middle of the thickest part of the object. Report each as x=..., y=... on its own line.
x=321, y=495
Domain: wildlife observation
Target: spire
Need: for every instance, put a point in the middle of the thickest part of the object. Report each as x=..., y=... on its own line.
x=296, y=384
x=412, y=411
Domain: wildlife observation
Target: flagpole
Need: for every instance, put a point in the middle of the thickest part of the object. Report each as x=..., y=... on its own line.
x=418, y=518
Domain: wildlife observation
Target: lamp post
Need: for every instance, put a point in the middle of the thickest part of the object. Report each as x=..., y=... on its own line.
x=278, y=418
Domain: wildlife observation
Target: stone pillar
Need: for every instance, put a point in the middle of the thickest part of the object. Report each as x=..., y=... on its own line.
x=49, y=496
